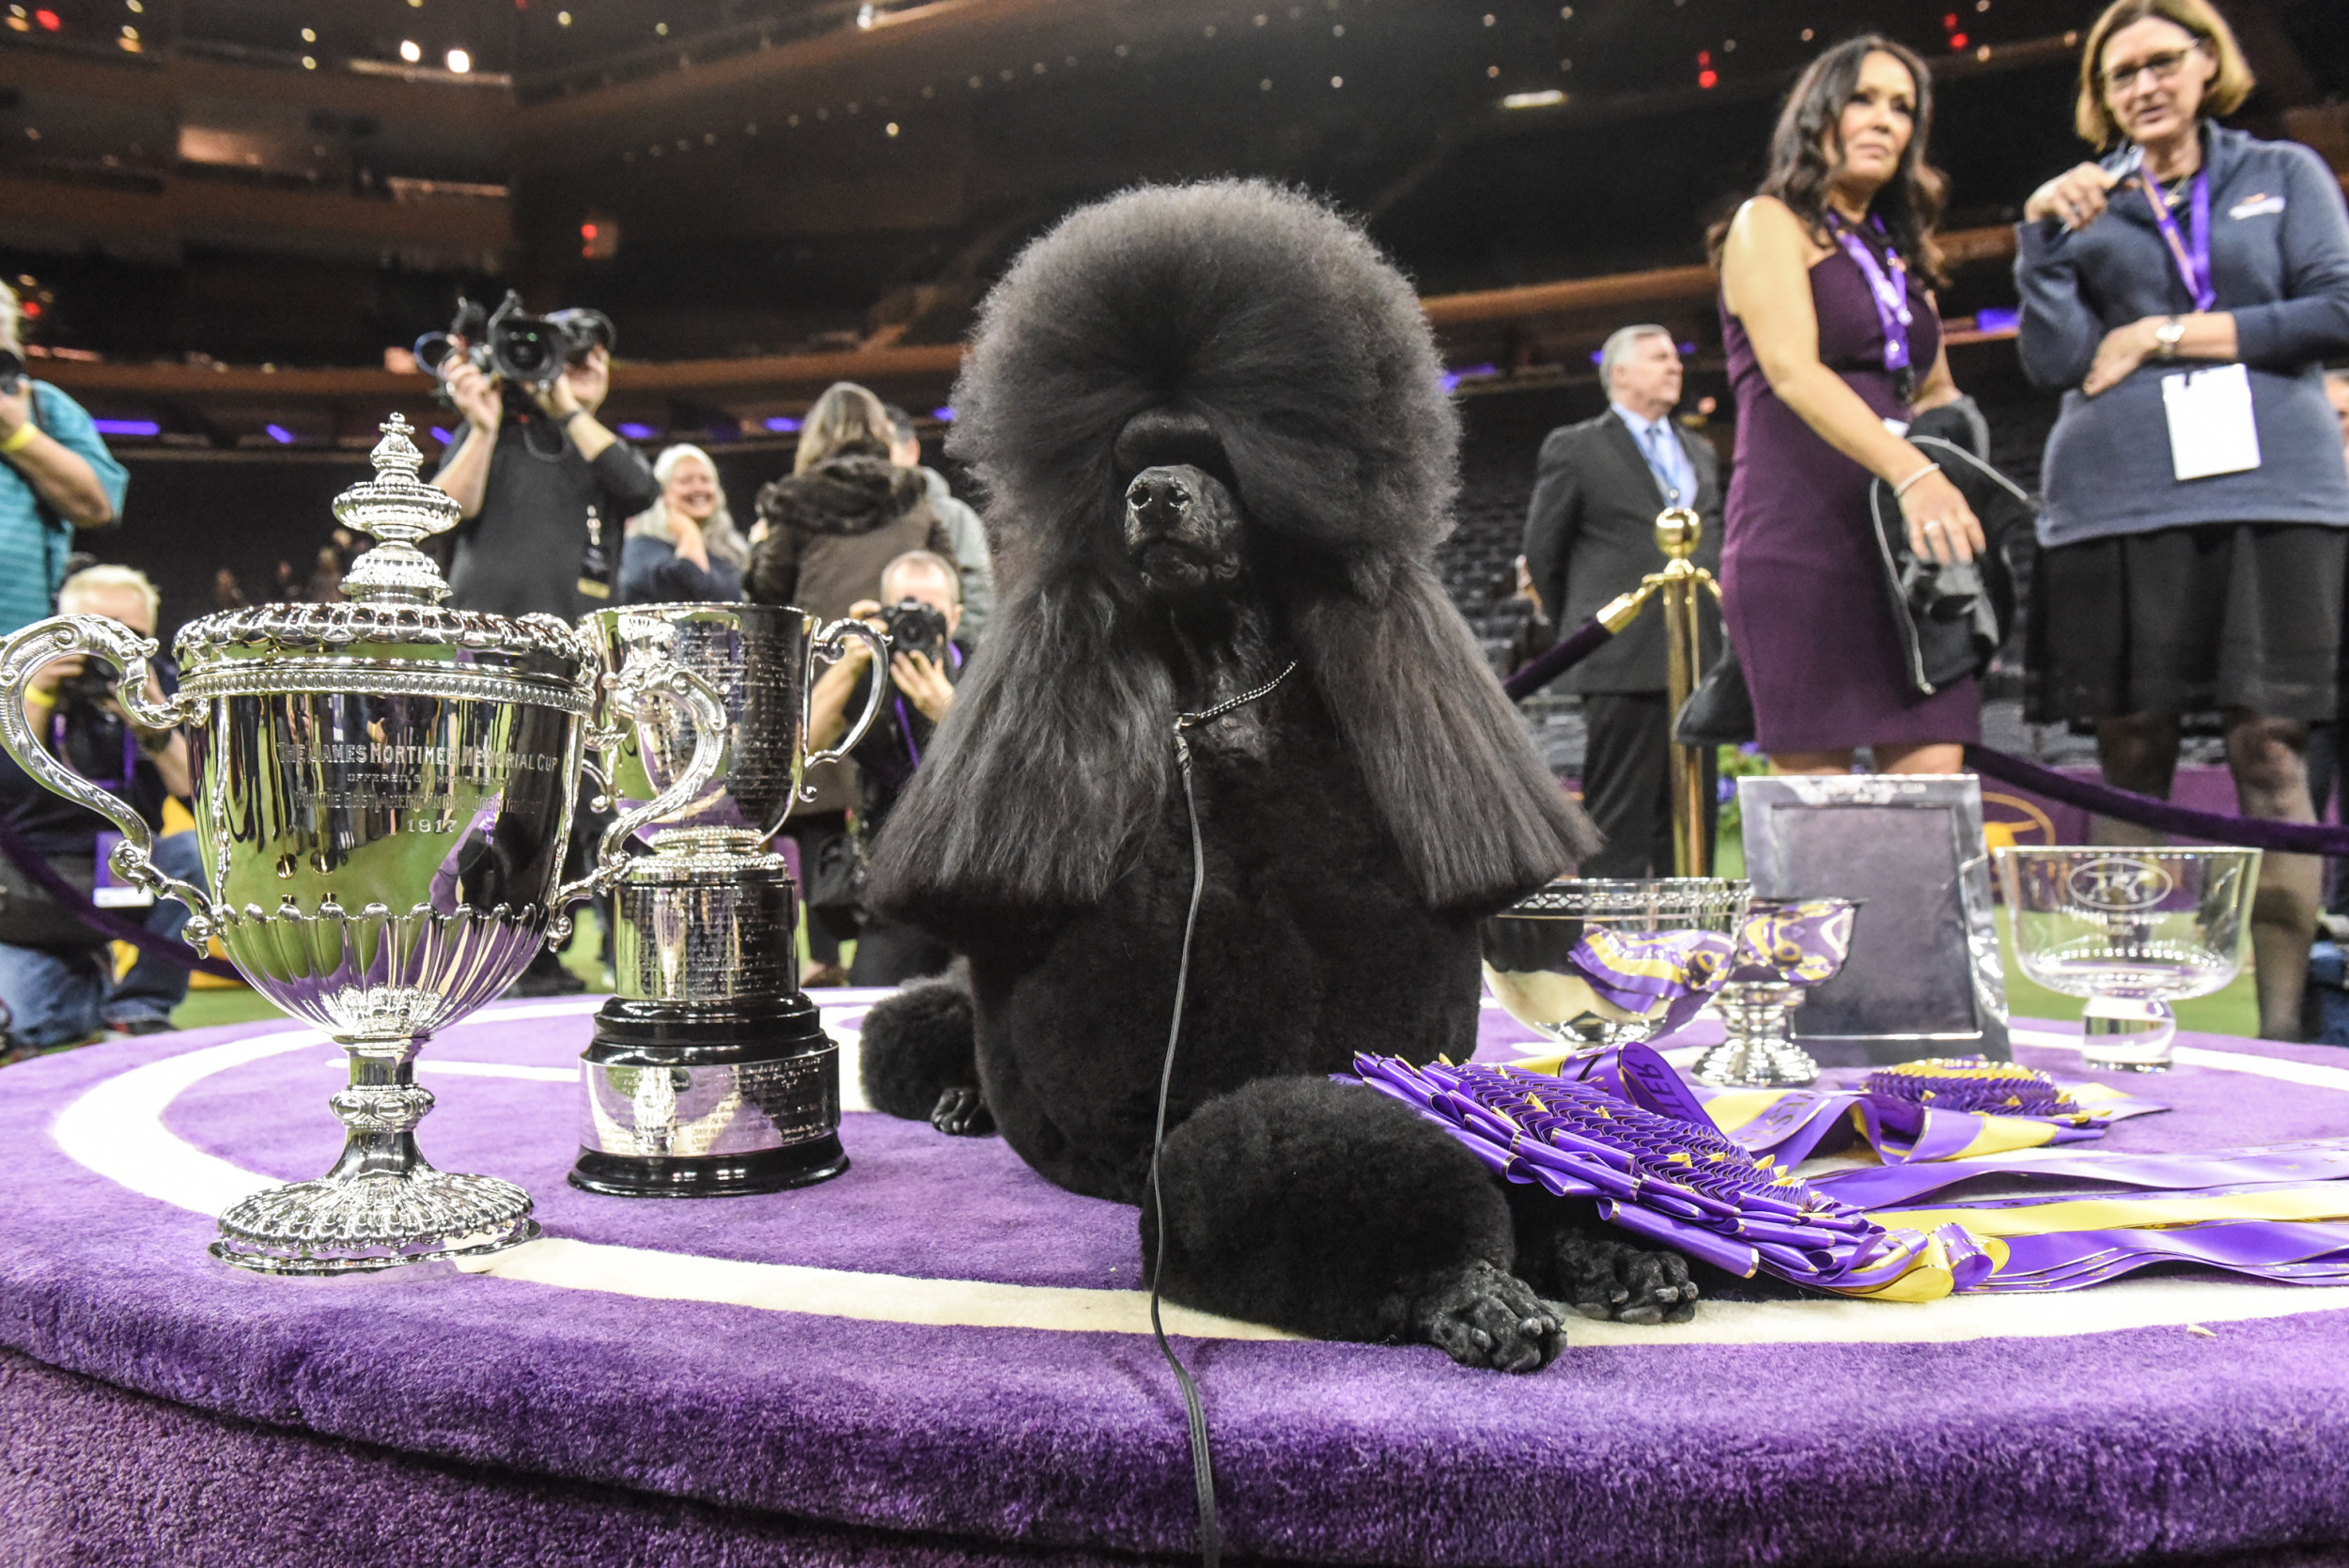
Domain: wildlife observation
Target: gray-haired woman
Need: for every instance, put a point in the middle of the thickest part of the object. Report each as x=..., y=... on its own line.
x=684, y=547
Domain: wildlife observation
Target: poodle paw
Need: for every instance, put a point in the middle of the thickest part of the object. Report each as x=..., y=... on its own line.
x=1606, y=1278
x=1482, y=1317
x=960, y=1113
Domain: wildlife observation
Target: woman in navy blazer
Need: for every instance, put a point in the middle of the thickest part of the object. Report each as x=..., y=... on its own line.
x=2158, y=595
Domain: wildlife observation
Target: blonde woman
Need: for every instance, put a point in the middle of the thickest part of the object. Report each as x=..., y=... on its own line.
x=2195, y=531
x=684, y=547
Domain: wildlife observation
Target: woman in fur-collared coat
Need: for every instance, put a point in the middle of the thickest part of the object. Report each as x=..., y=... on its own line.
x=845, y=513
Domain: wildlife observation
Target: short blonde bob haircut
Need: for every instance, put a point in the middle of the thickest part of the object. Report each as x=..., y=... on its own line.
x=2228, y=88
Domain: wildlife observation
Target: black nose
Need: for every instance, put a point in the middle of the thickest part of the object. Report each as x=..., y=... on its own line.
x=1158, y=497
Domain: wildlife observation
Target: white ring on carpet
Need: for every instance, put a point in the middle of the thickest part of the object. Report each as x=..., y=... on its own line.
x=116, y=1129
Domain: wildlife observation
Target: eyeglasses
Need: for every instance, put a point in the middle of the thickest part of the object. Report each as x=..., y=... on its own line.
x=2165, y=66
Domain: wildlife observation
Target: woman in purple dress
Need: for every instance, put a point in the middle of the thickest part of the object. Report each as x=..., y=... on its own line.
x=1833, y=346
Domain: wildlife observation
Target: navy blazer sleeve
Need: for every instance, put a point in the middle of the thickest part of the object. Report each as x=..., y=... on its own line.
x=2311, y=322
x=2059, y=330
x=1552, y=520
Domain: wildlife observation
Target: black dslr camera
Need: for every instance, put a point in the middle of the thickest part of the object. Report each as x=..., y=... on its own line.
x=90, y=688
x=511, y=344
x=913, y=627
x=11, y=371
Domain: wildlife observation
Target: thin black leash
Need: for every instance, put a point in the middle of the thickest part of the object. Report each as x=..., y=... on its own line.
x=1202, y=1463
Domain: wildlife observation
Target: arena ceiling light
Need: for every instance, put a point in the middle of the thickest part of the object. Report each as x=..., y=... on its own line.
x=410, y=51
x=1543, y=100
x=460, y=61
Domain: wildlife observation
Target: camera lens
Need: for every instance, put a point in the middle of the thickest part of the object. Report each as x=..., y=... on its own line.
x=525, y=351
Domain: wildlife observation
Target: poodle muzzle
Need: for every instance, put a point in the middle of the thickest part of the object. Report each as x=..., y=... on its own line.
x=1183, y=530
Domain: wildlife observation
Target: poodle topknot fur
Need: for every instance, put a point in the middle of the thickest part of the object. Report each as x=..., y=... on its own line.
x=1213, y=442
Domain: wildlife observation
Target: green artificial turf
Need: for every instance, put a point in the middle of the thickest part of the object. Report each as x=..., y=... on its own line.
x=2232, y=1011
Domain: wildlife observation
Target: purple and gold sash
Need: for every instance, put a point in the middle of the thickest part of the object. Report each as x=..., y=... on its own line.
x=1644, y=1144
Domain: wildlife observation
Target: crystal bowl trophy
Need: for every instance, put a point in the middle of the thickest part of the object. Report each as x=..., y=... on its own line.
x=1594, y=963
x=383, y=795
x=710, y=1072
x=1785, y=946
x=2132, y=931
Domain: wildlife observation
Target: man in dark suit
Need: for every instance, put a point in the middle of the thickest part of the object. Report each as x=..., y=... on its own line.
x=1590, y=534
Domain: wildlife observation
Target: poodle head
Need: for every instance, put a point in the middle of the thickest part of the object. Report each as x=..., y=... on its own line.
x=1246, y=331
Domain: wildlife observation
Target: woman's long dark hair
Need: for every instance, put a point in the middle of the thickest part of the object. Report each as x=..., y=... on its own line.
x=1800, y=171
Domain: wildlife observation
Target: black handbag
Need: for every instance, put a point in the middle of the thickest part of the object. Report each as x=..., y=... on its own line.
x=836, y=874
x=1719, y=713
x=1951, y=615
x=30, y=918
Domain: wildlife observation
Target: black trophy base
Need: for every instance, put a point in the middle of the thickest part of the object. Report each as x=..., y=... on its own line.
x=709, y=1175
x=665, y=1082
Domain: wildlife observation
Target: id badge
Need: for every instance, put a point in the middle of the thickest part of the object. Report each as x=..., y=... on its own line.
x=110, y=891
x=2211, y=429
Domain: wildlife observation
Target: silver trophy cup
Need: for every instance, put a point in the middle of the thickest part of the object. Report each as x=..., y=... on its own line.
x=710, y=1072
x=384, y=794
x=1785, y=946
x=2131, y=931
x=1536, y=958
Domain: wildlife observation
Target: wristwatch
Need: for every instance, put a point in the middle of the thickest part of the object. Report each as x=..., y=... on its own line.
x=2168, y=336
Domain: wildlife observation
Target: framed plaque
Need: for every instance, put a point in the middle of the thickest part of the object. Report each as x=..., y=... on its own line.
x=1923, y=978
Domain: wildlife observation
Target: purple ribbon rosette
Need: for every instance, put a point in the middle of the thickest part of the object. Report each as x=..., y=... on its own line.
x=1676, y=1181
x=1633, y=1138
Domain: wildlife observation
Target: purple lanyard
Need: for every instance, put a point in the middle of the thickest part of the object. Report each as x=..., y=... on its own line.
x=129, y=752
x=1888, y=285
x=905, y=723
x=2193, y=261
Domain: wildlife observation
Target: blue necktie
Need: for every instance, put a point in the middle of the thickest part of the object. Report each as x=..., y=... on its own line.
x=1652, y=444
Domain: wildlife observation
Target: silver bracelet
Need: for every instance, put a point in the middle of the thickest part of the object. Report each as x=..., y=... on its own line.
x=1902, y=489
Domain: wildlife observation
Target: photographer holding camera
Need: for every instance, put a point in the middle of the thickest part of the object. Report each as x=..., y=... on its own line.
x=56, y=974
x=919, y=611
x=543, y=487
x=56, y=476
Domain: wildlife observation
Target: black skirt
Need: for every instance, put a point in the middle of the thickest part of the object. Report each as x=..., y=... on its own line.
x=2193, y=619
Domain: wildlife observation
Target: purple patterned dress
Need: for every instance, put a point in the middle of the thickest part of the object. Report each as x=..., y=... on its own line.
x=1803, y=581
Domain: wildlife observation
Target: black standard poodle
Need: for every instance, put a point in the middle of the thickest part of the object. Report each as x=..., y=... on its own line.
x=1218, y=457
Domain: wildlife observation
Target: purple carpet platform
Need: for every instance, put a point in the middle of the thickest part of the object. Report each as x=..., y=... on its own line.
x=939, y=1360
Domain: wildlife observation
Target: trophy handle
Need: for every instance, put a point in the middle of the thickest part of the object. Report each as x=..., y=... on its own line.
x=61, y=637
x=829, y=646
x=641, y=680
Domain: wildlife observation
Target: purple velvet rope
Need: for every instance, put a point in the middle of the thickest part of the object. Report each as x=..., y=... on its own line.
x=2251, y=832
x=104, y=921
x=1561, y=656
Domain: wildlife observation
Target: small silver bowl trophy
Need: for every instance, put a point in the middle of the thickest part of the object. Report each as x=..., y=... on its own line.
x=384, y=797
x=2132, y=931
x=710, y=1072
x=1538, y=966
x=1785, y=946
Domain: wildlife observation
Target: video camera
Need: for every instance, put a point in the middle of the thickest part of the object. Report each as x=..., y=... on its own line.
x=511, y=344
x=913, y=627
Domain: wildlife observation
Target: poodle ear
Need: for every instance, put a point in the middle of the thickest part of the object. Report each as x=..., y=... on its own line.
x=1478, y=819
x=1054, y=756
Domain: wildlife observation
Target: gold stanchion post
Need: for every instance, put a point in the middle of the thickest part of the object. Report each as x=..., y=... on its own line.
x=1677, y=531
